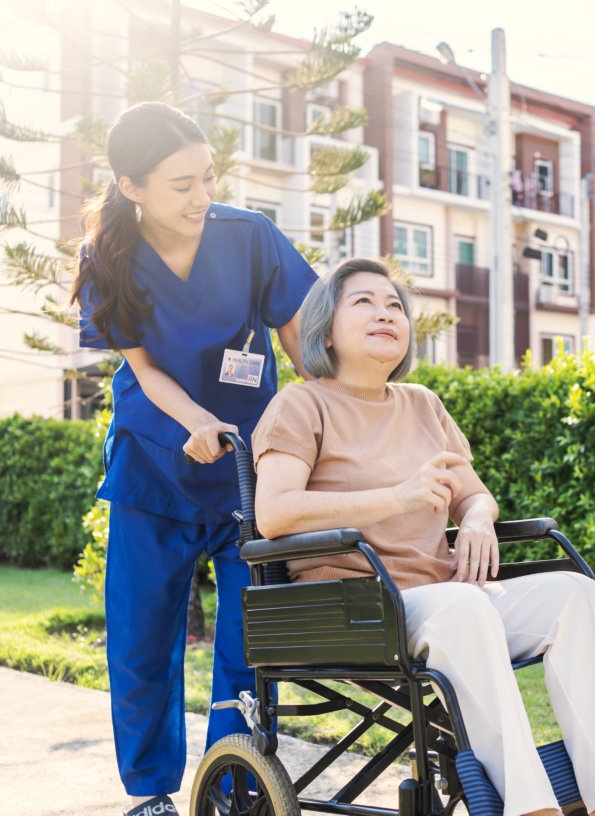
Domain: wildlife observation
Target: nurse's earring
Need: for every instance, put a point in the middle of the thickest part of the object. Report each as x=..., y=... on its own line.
x=132, y=193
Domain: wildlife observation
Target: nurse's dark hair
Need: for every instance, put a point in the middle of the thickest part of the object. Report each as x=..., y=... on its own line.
x=142, y=137
x=318, y=312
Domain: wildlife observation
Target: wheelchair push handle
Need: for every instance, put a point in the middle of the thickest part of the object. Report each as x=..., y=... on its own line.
x=224, y=438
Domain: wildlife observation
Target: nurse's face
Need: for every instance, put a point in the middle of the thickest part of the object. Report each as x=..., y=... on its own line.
x=176, y=195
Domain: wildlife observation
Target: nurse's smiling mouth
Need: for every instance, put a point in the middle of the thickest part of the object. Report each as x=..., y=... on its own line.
x=195, y=216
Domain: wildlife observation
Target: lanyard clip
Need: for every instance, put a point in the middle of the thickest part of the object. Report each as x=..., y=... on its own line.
x=246, y=346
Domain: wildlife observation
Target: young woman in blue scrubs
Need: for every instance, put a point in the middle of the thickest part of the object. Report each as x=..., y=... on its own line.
x=182, y=286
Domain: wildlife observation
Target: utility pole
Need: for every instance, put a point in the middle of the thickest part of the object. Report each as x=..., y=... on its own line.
x=584, y=279
x=501, y=291
x=174, y=47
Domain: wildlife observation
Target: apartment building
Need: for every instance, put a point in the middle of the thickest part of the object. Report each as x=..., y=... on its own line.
x=429, y=123
x=93, y=59
x=428, y=150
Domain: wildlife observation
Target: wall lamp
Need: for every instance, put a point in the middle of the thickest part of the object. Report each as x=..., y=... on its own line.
x=529, y=252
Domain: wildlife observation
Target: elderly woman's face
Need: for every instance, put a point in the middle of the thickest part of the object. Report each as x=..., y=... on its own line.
x=369, y=324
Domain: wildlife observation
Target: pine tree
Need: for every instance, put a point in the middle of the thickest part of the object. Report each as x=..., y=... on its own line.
x=162, y=72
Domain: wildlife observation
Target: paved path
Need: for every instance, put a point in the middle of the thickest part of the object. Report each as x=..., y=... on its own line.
x=57, y=756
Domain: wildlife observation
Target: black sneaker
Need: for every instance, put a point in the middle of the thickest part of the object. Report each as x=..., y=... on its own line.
x=157, y=806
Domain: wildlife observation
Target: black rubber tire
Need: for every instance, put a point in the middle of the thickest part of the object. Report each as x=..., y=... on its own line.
x=237, y=754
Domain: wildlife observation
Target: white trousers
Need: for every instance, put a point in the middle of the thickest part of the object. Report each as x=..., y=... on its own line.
x=471, y=634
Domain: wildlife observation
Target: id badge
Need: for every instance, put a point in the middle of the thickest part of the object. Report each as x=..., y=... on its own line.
x=241, y=368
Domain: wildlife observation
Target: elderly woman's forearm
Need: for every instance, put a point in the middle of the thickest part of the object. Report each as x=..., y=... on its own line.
x=301, y=511
x=478, y=504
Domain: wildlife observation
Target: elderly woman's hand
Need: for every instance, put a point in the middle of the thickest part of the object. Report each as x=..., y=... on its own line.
x=476, y=545
x=434, y=484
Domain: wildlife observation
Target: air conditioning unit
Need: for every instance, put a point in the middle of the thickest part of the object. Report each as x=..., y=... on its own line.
x=328, y=93
x=547, y=294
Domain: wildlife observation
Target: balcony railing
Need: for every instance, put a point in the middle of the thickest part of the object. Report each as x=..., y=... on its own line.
x=529, y=196
x=526, y=194
x=473, y=282
x=459, y=182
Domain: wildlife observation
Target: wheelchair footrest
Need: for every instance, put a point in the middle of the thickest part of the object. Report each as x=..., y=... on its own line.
x=482, y=797
x=560, y=772
x=484, y=800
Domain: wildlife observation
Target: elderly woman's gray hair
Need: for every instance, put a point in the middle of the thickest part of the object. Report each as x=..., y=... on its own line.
x=318, y=312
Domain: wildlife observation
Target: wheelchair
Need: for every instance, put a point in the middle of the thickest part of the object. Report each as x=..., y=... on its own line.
x=350, y=635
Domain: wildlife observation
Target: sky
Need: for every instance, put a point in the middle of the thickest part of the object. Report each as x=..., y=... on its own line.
x=550, y=43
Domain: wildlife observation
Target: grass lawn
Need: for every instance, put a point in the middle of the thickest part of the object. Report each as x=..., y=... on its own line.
x=50, y=627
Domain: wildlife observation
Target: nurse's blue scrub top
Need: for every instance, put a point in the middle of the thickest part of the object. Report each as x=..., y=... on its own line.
x=246, y=275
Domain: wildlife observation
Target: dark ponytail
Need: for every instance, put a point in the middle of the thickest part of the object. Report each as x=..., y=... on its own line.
x=141, y=138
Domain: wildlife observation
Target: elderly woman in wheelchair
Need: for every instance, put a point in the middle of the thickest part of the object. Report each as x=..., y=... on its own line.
x=356, y=448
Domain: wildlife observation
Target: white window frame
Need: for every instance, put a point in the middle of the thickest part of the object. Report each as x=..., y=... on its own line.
x=256, y=132
x=548, y=191
x=314, y=111
x=265, y=208
x=560, y=284
x=411, y=261
x=568, y=345
x=431, y=138
x=317, y=242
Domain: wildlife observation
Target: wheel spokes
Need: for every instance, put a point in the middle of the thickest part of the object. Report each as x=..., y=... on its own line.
x=241, y=801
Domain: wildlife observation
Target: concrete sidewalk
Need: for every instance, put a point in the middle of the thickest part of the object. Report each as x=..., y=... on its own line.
x=57, y=756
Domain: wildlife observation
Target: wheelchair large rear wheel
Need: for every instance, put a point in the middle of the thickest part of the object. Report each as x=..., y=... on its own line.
x=260, y=785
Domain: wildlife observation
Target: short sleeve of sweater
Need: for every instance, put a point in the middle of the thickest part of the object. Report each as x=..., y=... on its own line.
x=292, y=423
x=456, y=441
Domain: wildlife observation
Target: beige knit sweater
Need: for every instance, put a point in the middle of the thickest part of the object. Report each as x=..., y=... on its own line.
x=361, y=438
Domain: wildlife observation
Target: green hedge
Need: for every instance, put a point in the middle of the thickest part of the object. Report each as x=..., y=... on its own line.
x=532, y=434
x=49, y=470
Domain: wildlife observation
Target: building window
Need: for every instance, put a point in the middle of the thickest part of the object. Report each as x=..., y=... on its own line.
x=466, y=251
x=316, y=227
x=426, y=351
x=550, y=343
x=458, y=170
x=4, y=208
x=314, y=112
x=342, y=243
x=412, y=247
x=544, y=177
x=83, y=396
x=265, y=142
x=426, y=154
x=426, y=148
x=267, y=209
x=556, y=271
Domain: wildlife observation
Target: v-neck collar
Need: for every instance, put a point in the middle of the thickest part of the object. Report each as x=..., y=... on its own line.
x=150, y=259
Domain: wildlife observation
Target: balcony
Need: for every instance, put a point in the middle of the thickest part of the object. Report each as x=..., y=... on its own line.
x=526, y=193
x=473, y=282
x=458, y=182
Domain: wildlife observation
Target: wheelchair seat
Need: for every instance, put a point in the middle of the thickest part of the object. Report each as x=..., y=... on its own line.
x=334, y=637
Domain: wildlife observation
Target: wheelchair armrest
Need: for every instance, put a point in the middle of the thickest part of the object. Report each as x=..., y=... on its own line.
x=509, y=531
x=301, y=545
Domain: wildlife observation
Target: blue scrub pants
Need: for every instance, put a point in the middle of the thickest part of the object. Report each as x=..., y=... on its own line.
x=150, y=563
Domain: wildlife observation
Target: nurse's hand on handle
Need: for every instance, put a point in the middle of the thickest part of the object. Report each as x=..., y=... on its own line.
x=164, y=392
x=203, y=444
